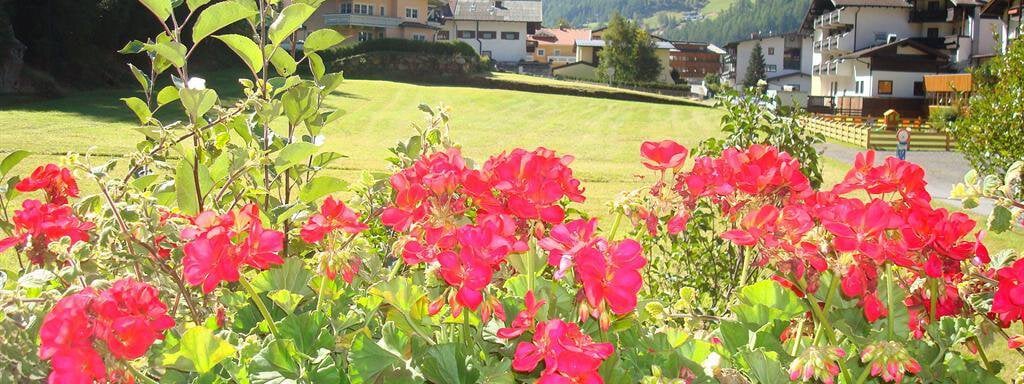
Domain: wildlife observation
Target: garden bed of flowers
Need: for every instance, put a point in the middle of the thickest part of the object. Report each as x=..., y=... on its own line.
x=225, y=254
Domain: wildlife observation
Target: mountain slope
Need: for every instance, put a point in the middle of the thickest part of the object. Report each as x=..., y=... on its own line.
x=742, y=18
x=581, y=12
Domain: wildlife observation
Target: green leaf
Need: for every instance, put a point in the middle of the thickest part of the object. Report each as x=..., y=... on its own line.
x=322, y=39
x=172, y=51
x=331, y=81
x=321, y=186
x=246, y=49
x=300, y=103
x=444, y=364
x=1001, y=219
x=160, y=8
x=283, y=61
x=36, y=279
x=167, y=94
x=185, y=185
x=400, y=293
x=766, y=301
x=294, y=154
x=377, y=362
x=285, y=299
x=310, y=331
x=316, y=66
x=195, y=4
x=139, y=76
x=276, y=363
x=765, y=369
x=12, y=160
x=218, y=16
x=197, y=101
x=291, y=18
x=204, y=349
x=140, y=108
x=291, y=276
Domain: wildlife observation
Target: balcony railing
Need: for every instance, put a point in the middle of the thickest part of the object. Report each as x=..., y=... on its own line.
x=836, y=18
x=929, y=15
x=839, y=43
x=826, y=68
x=361, y=20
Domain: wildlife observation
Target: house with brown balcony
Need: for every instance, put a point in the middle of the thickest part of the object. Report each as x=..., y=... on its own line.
x=692, y=61
x=362, y=20
x=556, y=46
x=872, y=55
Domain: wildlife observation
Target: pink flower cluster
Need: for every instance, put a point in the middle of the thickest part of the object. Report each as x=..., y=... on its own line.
x=125, y=319
x=37, y=224
x=218, y=245
x=569, y=355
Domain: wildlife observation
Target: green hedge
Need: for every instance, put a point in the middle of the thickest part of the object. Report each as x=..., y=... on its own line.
x=643, y=85
x=402, y=45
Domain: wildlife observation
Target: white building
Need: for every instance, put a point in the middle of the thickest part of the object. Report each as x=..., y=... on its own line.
x=588, y=58
x=787, y=59
x=495, y=28
x=1009, y=15
x=870, y=54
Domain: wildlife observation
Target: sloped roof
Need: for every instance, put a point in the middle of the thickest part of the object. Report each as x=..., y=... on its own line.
x=871, y=51
x=560, y=36
x=995, y=8
x=509, y=10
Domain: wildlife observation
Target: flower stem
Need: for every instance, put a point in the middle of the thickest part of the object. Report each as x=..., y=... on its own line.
x=144, y=378
x=824, y=325
x=320, y=292
x=259, y=304
x=615, y=226
x=889, y=301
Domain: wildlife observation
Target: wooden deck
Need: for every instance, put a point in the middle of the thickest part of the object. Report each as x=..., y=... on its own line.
x=869, y=133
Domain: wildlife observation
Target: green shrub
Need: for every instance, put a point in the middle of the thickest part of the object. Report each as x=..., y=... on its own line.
x=991, y=132
x=402, y=45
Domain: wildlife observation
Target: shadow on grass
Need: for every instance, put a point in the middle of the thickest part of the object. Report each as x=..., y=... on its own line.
x=105, y=105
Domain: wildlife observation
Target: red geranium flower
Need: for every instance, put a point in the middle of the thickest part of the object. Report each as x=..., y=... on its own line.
x=860, y=228
x=610, y=274
x=1008, y=304
x=333, y=216
x=569, y=355
x=565, y=241
x=130, y=317
x=38, y=224
x=526, y=185
x=663, y=155
x=56, y=181
x=524, y=320
x=127, y=318
x=218, y=245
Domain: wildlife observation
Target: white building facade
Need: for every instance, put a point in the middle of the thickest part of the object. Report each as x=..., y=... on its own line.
x=884, y=48
x=496, y=29
x=787, y=59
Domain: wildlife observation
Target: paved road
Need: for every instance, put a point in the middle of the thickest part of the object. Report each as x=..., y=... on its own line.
x=942, y=170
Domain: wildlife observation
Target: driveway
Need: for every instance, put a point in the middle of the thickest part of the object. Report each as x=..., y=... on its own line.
x=942, y=170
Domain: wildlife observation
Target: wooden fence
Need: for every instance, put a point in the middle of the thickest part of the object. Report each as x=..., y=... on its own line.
x=868, y=133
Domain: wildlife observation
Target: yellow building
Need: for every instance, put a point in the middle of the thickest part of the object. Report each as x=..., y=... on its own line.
x=556, y=46
x=363, y=20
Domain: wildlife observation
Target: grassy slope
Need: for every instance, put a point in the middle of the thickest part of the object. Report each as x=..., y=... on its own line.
x=713, y=7
x=604, y=135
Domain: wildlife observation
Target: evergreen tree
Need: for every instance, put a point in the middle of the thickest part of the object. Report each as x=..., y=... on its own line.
x=563, y=23
x=628, y=54
x=755, y=70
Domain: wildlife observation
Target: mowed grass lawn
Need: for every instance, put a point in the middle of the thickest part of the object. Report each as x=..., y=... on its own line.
x=603, y=135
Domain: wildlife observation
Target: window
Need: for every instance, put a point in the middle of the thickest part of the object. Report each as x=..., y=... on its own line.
x=933, y=5
x=771, y=51
x=510, y=35
x=443, y=35
x=793, y=87
x=488, y=35
x=558, y=52
x=412, y=13
x=772, y=68
x=860, y=87
x=884, y=87
x=382, y=11
x=359, y=9
x=540, y=52
x=346, y=8
x=466, y=34
x=918, y=88
x=933, y=32
x=419, y=37
x=365, y=36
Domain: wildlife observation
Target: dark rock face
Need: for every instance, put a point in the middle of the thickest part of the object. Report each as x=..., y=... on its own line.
x=408, y=64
